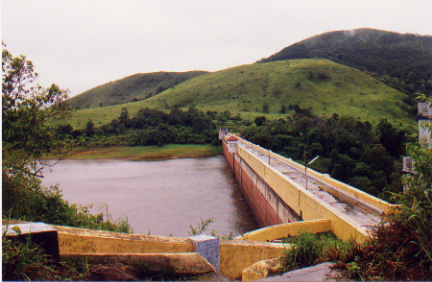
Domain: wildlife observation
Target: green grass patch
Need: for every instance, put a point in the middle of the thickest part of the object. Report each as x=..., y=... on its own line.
x=145, y=153
x=322, y=85
x=133, y=88
x=310, y=249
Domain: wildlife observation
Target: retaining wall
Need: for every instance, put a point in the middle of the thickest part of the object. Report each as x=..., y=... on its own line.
x=235, y=255
x=267, y=206
x=276, y=199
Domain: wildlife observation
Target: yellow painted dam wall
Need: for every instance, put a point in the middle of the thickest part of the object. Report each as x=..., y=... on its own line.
x=303, y=202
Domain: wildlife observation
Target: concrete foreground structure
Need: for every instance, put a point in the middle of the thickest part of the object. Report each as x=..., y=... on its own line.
x=321, y=273
x=106, y=246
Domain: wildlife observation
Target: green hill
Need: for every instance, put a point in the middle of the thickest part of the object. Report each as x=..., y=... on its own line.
x=133, y=88
x=322, y=85
x=403, y=61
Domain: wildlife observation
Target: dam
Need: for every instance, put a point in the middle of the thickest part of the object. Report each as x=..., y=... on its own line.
x=286, y=198
x=281, y=191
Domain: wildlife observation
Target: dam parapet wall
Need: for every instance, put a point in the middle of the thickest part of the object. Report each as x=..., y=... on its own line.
x=281, y=191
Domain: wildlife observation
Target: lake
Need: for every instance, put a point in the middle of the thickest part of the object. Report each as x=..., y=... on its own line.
x=158, y=197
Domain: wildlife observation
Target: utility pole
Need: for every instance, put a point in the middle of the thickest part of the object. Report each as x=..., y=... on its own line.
x=306, y=166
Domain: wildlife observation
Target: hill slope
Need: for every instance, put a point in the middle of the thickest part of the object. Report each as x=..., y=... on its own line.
x=132, y=88
x=403, y=61
x=323, y=85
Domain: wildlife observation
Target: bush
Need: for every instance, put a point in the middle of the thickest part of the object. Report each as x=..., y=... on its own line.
x=25, y=199
x=309, y=249
x=23, y=260
x=304, y=252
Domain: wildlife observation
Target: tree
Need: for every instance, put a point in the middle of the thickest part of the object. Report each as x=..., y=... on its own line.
x=124, y=117
x=400, y=248
x=391, y=138
x=90, y=129
x=26, y=138
x=25, y=109
x=260, y=121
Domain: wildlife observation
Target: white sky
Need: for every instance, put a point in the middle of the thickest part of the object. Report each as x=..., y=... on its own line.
x=80, y=44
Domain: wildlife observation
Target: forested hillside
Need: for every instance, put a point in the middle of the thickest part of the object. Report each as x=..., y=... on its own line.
x=403, y=61
x=133, y=88
x=274, y=89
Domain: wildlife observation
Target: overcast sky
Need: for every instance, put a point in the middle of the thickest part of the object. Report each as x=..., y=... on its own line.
x=80, y=44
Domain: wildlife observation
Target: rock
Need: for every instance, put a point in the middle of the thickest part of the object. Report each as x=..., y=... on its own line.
x=262, y=269
x=321, y=272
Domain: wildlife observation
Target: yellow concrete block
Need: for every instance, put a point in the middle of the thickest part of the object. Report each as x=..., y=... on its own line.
x=236, y=255
x=78, y=240
x=262, y=269
x=268, y=234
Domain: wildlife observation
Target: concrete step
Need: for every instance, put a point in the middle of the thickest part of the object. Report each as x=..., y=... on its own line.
x=320, y=272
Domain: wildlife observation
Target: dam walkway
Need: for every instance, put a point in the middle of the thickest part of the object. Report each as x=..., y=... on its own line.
x=359, y=211
x=281, y=191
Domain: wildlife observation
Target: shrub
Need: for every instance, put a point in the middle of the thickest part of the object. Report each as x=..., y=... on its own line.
x=24, y=198
x=309, y=249
x=23, y=260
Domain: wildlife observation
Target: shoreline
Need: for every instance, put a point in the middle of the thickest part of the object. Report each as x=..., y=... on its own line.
x=141, y=153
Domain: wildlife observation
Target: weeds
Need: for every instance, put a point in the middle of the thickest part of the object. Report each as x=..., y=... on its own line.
x=308, y=249
x=305, y=251
x=200, y=227
x=400, y=248
x=395, y=251
x=24, y=260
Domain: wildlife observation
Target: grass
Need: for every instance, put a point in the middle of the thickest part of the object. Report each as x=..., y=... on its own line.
x=310, y=249
x=24, y=260
x=136, y=87
x=323, y=85
x=144, y=153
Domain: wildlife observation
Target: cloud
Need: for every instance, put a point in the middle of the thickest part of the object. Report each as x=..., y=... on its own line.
x=80, y=44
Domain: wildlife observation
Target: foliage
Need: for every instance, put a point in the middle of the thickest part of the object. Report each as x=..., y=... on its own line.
x=24, y=198
x=197, y=230
x=305, y=251
x=26, y=139
x=309, y=249
x=148, y=127
x=25, y=109
x=400, y=248
x=402, y=61
x=244, y=89
x=23, y=260
x=133, y=88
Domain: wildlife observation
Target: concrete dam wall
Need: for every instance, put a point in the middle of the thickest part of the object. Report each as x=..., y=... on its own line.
x=281, y=191
x=267, y=206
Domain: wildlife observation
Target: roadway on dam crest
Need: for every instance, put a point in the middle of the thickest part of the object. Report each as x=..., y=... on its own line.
x=355, y=209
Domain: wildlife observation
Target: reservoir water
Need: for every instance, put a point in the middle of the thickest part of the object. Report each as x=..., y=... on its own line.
x=158, y=197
